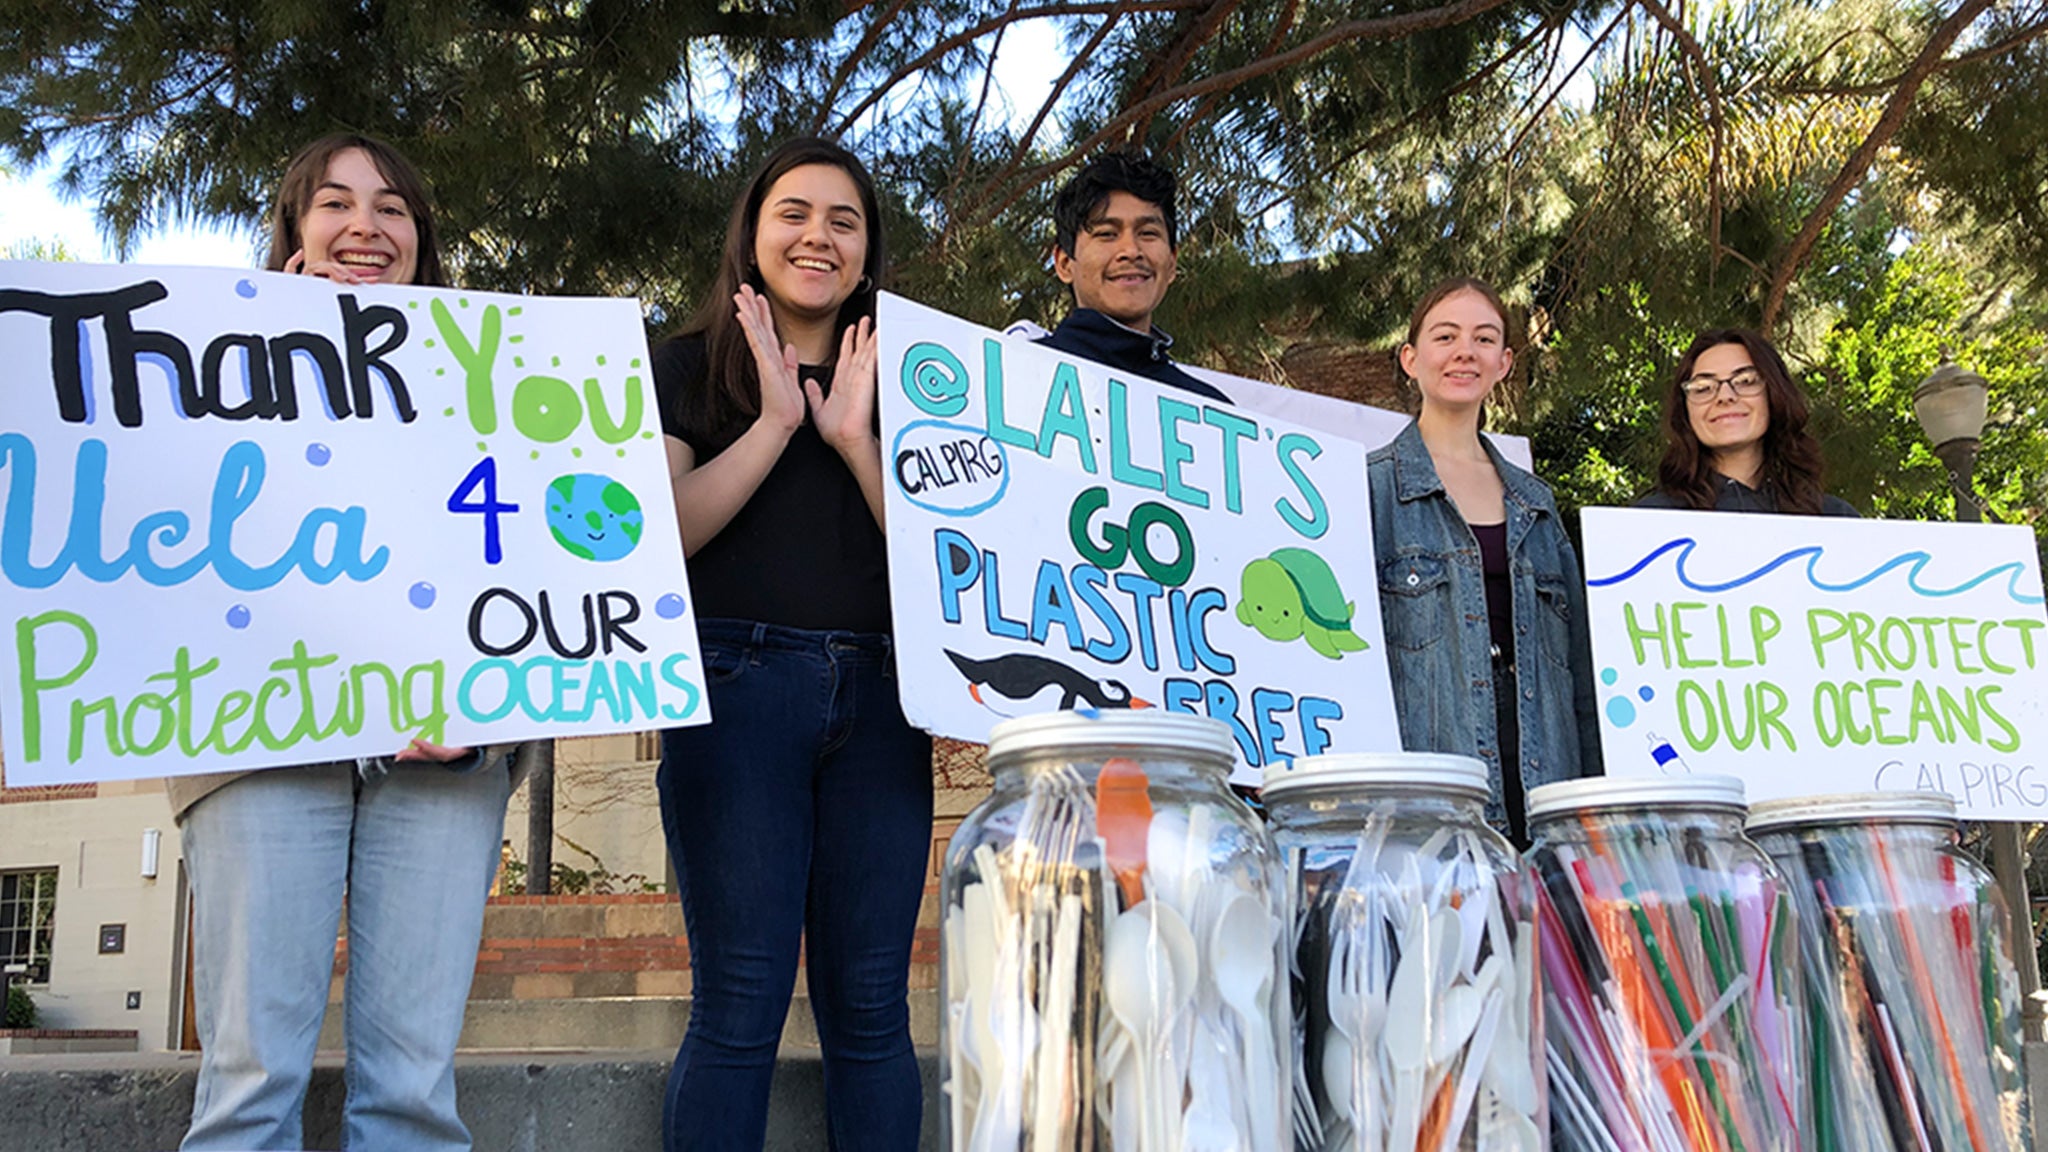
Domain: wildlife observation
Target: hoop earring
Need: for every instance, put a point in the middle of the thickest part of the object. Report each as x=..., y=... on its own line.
x=866, y=285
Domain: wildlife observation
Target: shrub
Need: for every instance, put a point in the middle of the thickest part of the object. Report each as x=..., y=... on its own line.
x=21, y=1011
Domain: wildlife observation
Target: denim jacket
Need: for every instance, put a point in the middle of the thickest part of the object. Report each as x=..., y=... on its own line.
x=1439, y=649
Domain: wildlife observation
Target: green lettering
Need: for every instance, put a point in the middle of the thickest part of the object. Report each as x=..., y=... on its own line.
x=2010, y=741
x=34, y=682
x=1637, y=633
x=1679, y=635
x=476, y=361
x=1771, y=703
x=1820, y=639
x=1764, y=625
x=1878, y=711
x=1701, y=736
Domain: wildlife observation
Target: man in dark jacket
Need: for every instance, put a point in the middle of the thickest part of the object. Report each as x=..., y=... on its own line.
x=1115, y=241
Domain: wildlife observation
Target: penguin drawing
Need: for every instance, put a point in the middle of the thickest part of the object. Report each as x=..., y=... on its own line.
x=1021, y=684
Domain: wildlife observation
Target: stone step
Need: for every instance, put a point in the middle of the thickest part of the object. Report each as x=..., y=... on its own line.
x=512, y=1101
x=632, y=1023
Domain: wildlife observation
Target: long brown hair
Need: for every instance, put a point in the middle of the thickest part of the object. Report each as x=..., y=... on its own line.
x=731, y=396
x=302, y=177
x=1792, y=459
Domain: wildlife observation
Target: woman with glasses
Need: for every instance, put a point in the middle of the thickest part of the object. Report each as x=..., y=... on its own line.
x=1735, y=433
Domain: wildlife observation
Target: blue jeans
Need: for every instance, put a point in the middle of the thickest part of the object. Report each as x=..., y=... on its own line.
x=803, y=812
x=270, y=856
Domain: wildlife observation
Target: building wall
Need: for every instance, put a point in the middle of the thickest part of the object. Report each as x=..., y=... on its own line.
x=93, y=837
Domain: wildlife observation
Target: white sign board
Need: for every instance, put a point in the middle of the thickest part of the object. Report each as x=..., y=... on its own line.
x=1060, y=537
x=1810, y=654
x=253, y=519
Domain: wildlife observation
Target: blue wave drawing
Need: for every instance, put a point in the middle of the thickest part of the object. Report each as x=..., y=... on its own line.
x=1813, y=552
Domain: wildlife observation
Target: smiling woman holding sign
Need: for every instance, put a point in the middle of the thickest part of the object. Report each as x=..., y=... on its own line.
x=1735, y=433
x=412, y=840
x=803, y=810
x=1484, y=610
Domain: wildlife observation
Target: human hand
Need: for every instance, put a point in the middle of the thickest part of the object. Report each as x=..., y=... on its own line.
x=420, y=750
x=782, y=396
x=846, y=418
x=330, y=270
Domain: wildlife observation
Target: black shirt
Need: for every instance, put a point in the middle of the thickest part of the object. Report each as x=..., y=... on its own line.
x=804, y=551
x=1735, y=496
x=1088, y=333
x=1500, y=594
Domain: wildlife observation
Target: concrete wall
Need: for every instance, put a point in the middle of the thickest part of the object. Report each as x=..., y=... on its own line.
x=95, y=843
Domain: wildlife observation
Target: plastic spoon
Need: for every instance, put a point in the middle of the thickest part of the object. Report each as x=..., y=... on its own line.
x=1123, y=819
x=1142, y=987
x=1408, y=1022
x=1241, y=960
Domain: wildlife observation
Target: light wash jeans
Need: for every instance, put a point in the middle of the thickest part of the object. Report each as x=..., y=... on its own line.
x=269, y=857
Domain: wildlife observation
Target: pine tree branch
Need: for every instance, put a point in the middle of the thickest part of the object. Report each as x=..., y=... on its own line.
x=1857, y=168
x=2020, y=39
x=1168, y=68
x=852, y=61
x=1281, y=28
x=975, y=32
x=1379, y=28
x=1717, y=123
x=1380, y=138
x=1052, y=99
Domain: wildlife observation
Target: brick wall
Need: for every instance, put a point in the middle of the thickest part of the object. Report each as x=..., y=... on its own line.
x=43, y=791
x=1351, y=372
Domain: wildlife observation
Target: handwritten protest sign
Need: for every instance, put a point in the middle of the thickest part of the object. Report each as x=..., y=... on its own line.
x=1816, y=654
x=255, y=519
x=1060, y=537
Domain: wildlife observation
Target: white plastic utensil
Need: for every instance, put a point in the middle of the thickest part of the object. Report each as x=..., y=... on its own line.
x=1241, y=959
x=1145, y=956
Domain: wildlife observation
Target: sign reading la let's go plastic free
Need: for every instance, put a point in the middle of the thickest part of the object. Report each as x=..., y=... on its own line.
x=1811, y=654
x=253, y=519
x=1061, y=537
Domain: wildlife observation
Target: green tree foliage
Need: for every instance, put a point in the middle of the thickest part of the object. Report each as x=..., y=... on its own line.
x=1864, y=178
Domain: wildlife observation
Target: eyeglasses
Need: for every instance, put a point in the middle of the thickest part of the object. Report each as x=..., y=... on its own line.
x=1702, y=390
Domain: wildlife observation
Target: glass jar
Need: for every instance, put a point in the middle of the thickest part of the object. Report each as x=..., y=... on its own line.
x=1417, y=1011
x=1112, y=950
x=1672, y=1002
x=1913, y=994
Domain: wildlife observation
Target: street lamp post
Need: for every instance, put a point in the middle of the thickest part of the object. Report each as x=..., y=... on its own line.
x=1952, y=404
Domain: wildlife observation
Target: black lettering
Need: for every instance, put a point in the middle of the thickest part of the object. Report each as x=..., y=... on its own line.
x=476, y=623
x=358, y=324
x=255, y=370
x=615, y=626
x=589, y=645
x=284, y=383
x=903, y=473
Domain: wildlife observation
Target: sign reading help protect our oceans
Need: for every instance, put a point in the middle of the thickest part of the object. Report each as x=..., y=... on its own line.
x=1816, y=654
x=1061, y=537
x=254, y=519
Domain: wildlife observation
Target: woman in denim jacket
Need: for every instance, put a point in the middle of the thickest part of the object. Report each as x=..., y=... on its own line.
x=1479, y=585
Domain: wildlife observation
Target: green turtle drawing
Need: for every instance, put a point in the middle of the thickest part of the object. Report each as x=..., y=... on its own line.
x=1293, y=593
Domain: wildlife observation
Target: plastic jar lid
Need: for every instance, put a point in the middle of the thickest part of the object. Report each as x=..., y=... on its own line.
x=1438, y=770
x=1634, y=792
x=1123, y=728
x=1854, y=807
